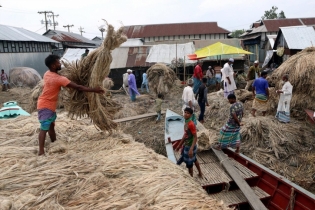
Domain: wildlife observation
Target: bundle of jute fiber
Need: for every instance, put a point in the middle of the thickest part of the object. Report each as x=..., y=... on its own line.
x=93, y=171
x=24, y=77
x=108, y=83
x=161, y=78
x=91, y=72
x=301, y=70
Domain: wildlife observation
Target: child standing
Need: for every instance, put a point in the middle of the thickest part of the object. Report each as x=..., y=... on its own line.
x=158, y=107
x=190, y=142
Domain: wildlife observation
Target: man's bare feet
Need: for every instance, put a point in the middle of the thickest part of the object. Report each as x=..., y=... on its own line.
x=237, y=151
x=41, y=153
x=217, y=147
x=200, y=175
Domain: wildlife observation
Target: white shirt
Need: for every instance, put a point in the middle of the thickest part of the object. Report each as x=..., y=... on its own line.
x=227, y=71
x=188, y=95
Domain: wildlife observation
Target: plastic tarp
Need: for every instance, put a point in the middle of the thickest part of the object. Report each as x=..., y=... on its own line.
x=219, y=49
x=120, y=56
x=269, y=55
x=165, y=53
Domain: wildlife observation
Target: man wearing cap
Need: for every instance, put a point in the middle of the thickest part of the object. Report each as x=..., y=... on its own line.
x=133, y=91
x=197, y=77
x=253, y=73
x=209, y=75
x=228, y=78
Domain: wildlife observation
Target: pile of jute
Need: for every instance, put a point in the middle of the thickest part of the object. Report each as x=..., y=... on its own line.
x=301, y=71
x=88, y=169
x=161, y=78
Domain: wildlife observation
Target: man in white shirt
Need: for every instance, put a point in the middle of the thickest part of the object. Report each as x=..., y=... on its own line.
x=228, y=78
x=189, y=99
x=188, y=95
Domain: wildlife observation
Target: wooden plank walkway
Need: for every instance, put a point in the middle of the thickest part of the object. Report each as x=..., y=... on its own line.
x=213, y=171
x=249, y=194
x=137, y=117
x=234, y=197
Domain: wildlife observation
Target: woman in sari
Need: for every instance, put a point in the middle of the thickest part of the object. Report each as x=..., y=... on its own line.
x=283, y=110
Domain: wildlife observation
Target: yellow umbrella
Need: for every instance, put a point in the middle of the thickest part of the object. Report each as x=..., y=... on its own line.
x=219, y=49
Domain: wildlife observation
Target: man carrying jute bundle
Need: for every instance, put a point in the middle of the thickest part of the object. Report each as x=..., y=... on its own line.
x=261, y=93
x=47, y=101
x=253, y=73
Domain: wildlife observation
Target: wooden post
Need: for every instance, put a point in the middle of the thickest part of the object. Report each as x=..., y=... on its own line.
x=257, y=54
x=184, y=70
x=248, y=56
x=176, y=61
x=251, y=197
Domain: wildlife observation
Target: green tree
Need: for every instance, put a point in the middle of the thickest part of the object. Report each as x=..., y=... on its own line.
x=272, y=14
x=237, y=33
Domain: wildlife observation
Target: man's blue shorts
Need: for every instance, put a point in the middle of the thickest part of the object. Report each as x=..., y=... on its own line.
x=46, y=117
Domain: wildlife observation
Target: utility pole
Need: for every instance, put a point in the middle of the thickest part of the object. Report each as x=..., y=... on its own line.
x=54, y=23
x=81, y=30
x=45, y=13
x=68, y=26
x=102, y=31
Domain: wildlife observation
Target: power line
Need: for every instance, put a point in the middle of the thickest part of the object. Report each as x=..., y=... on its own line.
x=39, y=29
x=68, y=26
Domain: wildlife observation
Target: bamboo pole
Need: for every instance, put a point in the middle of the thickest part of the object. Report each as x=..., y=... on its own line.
x=176, y=61
x=184, y=69
x=257, y=58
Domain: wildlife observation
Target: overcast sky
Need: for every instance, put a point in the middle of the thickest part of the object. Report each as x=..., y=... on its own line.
x=230, y=14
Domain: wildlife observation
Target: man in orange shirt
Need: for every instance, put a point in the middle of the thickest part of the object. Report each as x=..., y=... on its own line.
x=47, y=101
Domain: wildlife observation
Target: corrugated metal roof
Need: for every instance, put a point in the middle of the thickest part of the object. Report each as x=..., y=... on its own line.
x=259, y=29
x=122, y=57
x=299, y=38
x=10, y=33
x=275, y=24
x=132, y=43
x=137, y=56
x=308, y=21
x=141, y=31
x=165, y=53
x=63, y=36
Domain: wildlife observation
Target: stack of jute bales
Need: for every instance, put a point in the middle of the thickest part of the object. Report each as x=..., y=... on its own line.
x=87, y=169
x=301, y=70
x=161, y=78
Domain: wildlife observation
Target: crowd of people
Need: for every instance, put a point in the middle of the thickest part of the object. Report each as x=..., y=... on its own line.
x=195, y=94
